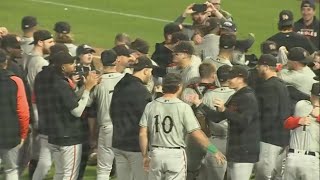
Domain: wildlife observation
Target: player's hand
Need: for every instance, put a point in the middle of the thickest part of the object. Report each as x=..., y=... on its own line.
x=210, y=7
x=146, y=163
x=91, y=80
x=194, y=99
x=188, y=10
x=305, y=121
x=283, y=49
x=220, y=158
x=219, y=104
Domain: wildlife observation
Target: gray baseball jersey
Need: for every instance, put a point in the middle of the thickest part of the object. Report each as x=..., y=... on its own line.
x=308, y=139
x=72, y=48
x=218, y=62
x=209, y=48
x=189, y=74
x=302, y=79
x=102, y=95
x=223, y=93
x=168, y=122
x=34, y=65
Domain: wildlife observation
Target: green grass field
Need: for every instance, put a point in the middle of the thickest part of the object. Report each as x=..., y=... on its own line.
x=93, y=23
x=96, y=22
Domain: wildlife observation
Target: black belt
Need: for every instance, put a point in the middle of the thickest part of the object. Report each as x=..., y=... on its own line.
x=168, y=147
x=311, y=153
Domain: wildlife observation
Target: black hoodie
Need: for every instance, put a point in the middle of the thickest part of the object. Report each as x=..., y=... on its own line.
x=127, y=105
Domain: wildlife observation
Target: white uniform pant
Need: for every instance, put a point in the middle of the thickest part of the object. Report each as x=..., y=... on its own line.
x=105, y=153
x=302, y=167
x=67, y=161
x=129, y=165
x=239, y=171
x=9, y=159
x=167, y=164
x=270, y=160
x=45, y=159
x=211, y=169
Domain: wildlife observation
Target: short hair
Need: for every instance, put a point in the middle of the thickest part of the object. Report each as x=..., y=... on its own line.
x=63, y=38
x=171, y=82
x=123, y=37
x=206, y=70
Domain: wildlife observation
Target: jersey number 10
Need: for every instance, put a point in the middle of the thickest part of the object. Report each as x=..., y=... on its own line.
x=166, y=122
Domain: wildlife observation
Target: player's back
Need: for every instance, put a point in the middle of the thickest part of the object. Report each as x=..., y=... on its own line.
x=103, y=95
x=168, y=121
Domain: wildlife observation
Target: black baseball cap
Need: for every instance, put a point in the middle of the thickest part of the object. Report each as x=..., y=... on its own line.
x=269, y=47
x=61, y=58
x=267, y=59
x=184, y=47
x=227, y=41
x=179, y=36
x=142, y=62
x=171, y=28
x=10, y=41
x=84, y=49
x=315, y=90
x=307, y=3
x=230, y=26
x=28, y=22
x=300, y=55
x=108, y=57
x=55, y=49
x=223, y=72
x=238, y=71
x=3, y=56
x=123, y=50
x=140, y=45
x=62, y=27
x=285, y=18
x=41, y=35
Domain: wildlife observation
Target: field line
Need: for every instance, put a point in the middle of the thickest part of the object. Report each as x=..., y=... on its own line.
x=100, y=10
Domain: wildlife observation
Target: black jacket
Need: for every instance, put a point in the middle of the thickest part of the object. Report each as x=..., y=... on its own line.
x=55, y=100
x=244, y=133
x=312, y=31
x=10, y=103
x=274, y=104
x=127, y=105
x=162, y=55
x=293, y=39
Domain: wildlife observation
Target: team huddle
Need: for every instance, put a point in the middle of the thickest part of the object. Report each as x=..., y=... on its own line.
x=199, y=108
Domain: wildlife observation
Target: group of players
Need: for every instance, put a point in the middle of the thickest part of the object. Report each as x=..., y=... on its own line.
x=199, y=108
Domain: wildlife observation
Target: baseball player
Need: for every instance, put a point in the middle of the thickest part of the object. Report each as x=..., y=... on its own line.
x=195, y=153
x=218, y=131
x=303, y=157
x=163, y=126
x=102, y=95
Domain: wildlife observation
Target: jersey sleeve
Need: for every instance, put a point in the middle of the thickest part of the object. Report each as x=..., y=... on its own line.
x=22, y=107
x=144, y=118
x=190, y=121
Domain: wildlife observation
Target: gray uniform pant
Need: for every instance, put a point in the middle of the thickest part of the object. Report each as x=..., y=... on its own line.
x=211, y=169
x=239, y=171
x=67, y=161
x=45, y=159
x=302, y=167
x=9, y=159
x=167, y=164
x=105, y=153
x=195, y=155
x=129, y=165
x=270, y=159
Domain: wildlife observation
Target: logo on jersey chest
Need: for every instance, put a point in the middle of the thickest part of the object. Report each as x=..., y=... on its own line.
x=308, y=32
